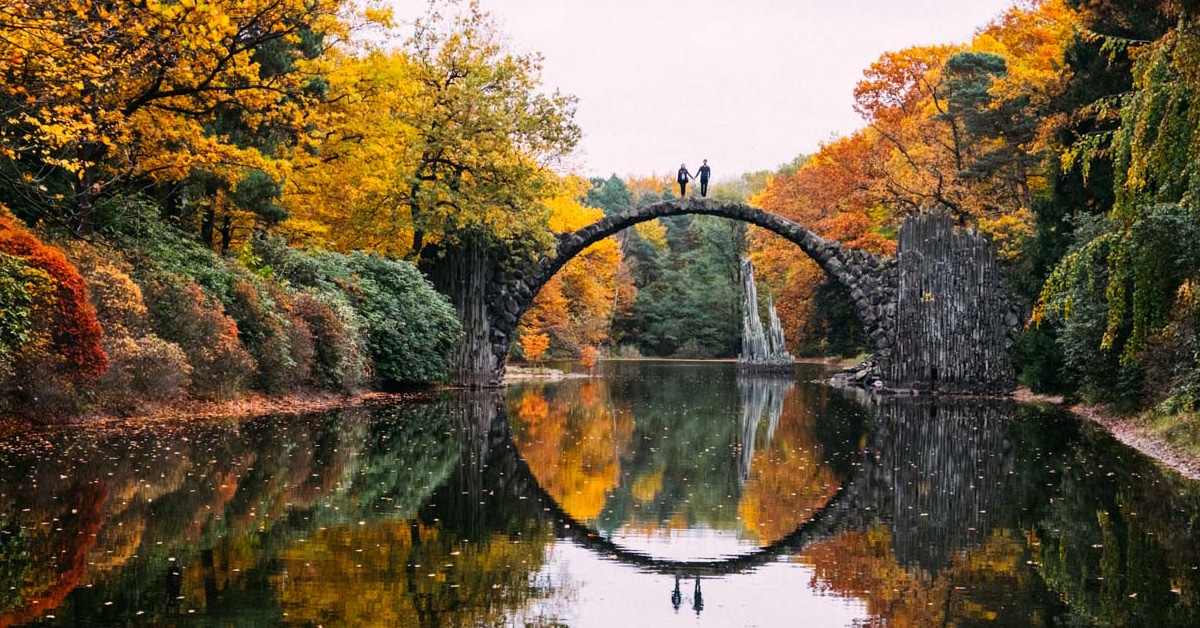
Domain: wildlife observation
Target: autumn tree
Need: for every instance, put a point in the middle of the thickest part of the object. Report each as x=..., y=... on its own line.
x=836, y=193
x=102, y=96
x=487, y=136
x=1123, y=294
x=533, y=346
x=574, y=308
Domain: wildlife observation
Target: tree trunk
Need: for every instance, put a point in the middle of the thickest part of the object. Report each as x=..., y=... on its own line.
x=207, y=224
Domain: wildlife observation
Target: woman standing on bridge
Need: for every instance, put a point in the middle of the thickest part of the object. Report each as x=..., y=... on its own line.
x=682, y=178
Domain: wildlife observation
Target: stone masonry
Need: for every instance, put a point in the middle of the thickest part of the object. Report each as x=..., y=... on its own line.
x=938, y=315
x=866, y=277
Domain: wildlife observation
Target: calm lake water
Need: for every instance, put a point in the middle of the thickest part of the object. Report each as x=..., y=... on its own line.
x=659, y=494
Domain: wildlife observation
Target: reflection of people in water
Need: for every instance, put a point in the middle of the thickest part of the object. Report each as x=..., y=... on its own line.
x=174, y=585
x=697, y=598
x=676, y=596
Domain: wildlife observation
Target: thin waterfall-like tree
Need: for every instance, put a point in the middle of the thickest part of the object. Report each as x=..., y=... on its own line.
x=762, y=350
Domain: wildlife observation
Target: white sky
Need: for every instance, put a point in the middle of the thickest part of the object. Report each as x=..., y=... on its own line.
x=746, y=84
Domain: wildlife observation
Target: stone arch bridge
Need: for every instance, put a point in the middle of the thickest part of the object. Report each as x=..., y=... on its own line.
x=938, y=315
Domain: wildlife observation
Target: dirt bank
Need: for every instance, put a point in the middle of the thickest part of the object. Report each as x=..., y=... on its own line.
x=245, y=407
x=1128, y=431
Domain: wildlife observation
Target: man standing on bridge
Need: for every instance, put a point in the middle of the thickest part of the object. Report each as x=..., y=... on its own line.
x=704, y=172
x=682, y=179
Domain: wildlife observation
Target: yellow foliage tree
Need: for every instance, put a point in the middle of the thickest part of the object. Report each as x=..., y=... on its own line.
x=446, y=140
x=575, y=307
x=96, y=94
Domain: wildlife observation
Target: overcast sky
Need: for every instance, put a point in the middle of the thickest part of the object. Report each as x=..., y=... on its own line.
x=746, y=84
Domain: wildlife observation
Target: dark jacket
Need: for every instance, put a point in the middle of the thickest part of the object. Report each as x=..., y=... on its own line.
x=684, y=175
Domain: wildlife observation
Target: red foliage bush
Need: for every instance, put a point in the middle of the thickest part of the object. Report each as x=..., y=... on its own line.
x=182, y=314
x=340, y=360
x=77, y=333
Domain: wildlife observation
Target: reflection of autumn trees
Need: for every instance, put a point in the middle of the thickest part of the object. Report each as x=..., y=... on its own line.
x=435, y=521
x=219, y=498
x=43, y=562
x=574, y=443
x=1117, y=540
x=1048, y=523
x=788, y=480
x=404, y=573
x=673, y=458
x=990, y=583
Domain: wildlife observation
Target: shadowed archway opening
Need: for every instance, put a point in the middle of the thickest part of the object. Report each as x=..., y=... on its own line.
x=863, y=276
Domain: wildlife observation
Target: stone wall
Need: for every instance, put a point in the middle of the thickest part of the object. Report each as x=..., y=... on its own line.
x=955, y=319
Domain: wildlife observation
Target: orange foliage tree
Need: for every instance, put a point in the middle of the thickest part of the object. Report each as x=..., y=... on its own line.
x=534, y=346
x=575, y=307
x=951, y=126
x=77, y=331
x=835, y=194
x=588, y=357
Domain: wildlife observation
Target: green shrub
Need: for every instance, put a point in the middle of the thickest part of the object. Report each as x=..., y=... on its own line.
x=302, y=350
x=411, y=328
x=257, y=306
x=265, y=334
x=154, y=246
x=142, y=372
x=26, y=306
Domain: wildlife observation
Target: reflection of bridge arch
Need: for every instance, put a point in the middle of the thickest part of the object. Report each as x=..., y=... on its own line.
x=934, y=473
x=832, y=517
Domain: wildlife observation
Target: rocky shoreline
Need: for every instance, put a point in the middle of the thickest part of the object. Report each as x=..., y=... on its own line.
x=519, y=373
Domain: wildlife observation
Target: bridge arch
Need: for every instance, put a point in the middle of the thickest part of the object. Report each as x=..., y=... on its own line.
x=867, y=278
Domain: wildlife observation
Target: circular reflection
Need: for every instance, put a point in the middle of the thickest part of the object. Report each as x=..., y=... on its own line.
x=699, y=468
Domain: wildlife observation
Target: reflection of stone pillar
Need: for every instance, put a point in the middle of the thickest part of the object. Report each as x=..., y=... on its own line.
x=759, y=397
x=941, y=469
x=481, y=428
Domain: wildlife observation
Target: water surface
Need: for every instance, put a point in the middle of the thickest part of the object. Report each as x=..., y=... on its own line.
x=657, y=494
